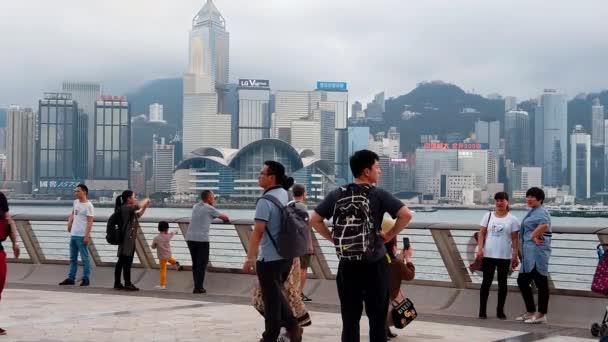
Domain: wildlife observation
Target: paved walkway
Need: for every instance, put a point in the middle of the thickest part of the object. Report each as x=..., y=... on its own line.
x=36, y=315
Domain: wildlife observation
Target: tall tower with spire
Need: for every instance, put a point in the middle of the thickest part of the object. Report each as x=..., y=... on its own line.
x=204, y=122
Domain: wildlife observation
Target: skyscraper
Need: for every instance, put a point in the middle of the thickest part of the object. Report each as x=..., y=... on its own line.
x=205, y=122
x=510, y=103
x=333, y=97
x=376, y=108
x=306, y=134
x=156, y=112
x=20, y=144
x=431, y=163
x=58, y=146
x=550, y=136
x=358, y=139
x=112, y=147
x=580, y=163
x=597, y=123
x=85, y=94
x=488, y=133
x=163, y=166
x=253, y=111
x=517, y=137
x=290, y=105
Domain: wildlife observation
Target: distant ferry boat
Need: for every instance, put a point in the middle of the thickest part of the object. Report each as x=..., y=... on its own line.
x=578, y=211
x=425, y=210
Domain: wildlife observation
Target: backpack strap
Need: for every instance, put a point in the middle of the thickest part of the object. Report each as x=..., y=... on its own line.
x=279, y=205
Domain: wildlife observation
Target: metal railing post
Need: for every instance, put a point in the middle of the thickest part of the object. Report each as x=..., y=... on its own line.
x=144, y=252
x=30, y=242
x=451, y=257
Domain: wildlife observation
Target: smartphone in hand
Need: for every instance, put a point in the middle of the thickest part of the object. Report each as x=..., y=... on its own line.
x=406, y=243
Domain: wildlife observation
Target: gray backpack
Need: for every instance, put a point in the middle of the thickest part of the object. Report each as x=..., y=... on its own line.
x=294, y=233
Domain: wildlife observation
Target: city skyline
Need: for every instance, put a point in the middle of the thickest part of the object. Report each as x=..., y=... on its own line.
x=506, y=60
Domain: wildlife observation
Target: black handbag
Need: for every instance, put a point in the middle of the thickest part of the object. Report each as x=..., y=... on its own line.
x=403, y=312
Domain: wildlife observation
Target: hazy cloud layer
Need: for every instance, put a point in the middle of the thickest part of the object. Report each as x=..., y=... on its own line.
x=509, y=47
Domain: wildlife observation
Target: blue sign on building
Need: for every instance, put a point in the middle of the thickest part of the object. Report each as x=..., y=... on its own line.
x=335, y=86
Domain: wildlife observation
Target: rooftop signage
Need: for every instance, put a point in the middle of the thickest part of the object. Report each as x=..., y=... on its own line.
x=57, y=96
x=112, y=98
x=335, y=86
x=250, y=83
x=454, y=146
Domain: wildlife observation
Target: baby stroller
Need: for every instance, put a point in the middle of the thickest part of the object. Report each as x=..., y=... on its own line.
x=600, y=285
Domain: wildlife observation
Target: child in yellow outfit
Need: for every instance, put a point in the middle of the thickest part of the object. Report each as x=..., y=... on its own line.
x=162, y=244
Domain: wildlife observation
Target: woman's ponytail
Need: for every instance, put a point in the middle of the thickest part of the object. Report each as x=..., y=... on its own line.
x=287, y=183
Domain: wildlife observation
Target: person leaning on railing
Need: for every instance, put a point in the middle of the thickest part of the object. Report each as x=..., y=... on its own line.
x=535, y=239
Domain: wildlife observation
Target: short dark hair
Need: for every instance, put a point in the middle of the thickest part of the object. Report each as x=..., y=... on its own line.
x=538, y=193
x=298, y=190
x=163, y=226
x=361, y=160
x=83, y=188
x=277, y=170
x=501, y=196
x=3, y=203
x=205, y=194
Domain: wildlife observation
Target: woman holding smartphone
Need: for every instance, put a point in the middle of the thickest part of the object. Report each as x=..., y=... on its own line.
x=400, y=268
x=498, y=246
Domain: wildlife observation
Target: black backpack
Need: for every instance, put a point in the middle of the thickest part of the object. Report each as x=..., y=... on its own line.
x=115, y=229
x=294, y=232
x=353, y=234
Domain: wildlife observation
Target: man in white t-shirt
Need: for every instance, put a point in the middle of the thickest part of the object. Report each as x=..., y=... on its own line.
x=79, y=226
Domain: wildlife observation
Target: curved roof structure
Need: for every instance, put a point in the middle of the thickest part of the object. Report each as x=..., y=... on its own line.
x=306, y=152
x=277, y=144
x=224, y=153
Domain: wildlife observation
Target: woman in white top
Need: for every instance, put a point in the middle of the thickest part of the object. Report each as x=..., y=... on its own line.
x=497, y=245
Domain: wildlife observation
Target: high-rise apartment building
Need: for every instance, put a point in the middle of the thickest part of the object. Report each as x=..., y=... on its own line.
x=21, y=130
x=163, y=156
x=517, y=137
x=253, y=111
x=488, y=133
x=551, y=136
x=375, y=109
x=580, y=163
x=156, y=112
x=388, y=145
x=58, y=147
x=205, y=122
x=475, y=162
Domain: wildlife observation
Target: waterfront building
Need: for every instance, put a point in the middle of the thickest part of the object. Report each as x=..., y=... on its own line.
x=580, y=163
x=20, y=144
x=234, y=172
x=510, y=103
x=551, y=136
x=517, y=137
x=163, y=156
x=57, y=145
x=253, y=109
x=156, y=112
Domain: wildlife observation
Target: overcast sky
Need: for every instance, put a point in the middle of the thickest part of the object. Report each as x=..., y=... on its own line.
x=507, y=47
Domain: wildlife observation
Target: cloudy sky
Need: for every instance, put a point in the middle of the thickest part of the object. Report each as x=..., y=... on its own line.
x=513, y=47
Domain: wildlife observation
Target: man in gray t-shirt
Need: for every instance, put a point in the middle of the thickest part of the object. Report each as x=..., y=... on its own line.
x=197, y=237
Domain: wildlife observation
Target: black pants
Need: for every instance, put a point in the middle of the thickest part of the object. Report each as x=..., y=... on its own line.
x=358, y=282
x=199, y=251
x=542, y=284
x=489, y=266
x=277, y=313
x=123, y=265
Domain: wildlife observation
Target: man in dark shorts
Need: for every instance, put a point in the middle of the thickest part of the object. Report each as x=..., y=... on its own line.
x=299, y=197
x=364, y=280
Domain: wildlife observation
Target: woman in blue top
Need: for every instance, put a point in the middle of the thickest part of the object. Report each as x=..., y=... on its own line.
x=535, y=240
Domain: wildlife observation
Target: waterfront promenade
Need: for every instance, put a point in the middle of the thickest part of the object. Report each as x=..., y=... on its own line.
x=95, y=314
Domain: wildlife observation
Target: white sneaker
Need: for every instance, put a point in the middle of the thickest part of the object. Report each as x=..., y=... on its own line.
x=536, y=320
x=158, y=287
x=524, y=317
